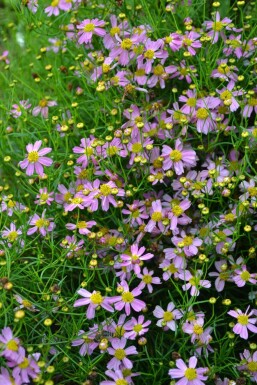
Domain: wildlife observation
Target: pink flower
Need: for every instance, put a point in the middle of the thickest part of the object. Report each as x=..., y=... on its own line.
x=188, y=243
x=223, y=275
x=249, y=361
x=53, y=9
x=35, y=159
x=11, y=348
x=178, y=158
x=117, y=378
x=94, y=300
x=4, y=57
x=89, y=27
x=86, y=341
x=12, y=233
x=44, y=197
x=216, y=27
x=135, y=328
x=17, y=109
x=157, y=215
x=190, y=42
x=194, y=282
x=148, y=280
x=127, y=299
x=153, y=50
x=120, y=354
x=135, y=258
x=82, y=226
x=168, y=317
x=244, y=322
x=188, y=375
x=43, y=107
x=25, y=368
x=242, y=276
x=40, y=224
x=7, y=379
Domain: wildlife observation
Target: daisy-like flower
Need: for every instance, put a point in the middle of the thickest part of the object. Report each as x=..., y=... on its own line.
x=128, y=299
x=190, y=42
x=94, y=300
x=43, y=107
x=53, y=9
x=88, y=28
x=135, y=258
x=120, y=354
x=196, y=330
x=35, y=159
x=40, y=224
x=82, y=226
x=4, y=57
x=7, y=379
x=242, y=276
x=157, y=215
x=215, y=27
x=176, y=214
x=86, y=342
x=11, y=348
x=12, y=233
x=117, y=378
x=188, y=243
x=135, y=328
x=44, y=197
x=249, y=363
x=25, y=368
x=178, y=158
x=167, y=318
x=188, y=375
x=227, y=96
x=17, y=109
x=148, y=280
x=194, y=282
x=223, y=275
x=244, y=322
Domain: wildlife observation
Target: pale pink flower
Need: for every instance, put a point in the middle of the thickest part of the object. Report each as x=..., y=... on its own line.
x=94, y=300
x=249, y=363
x=11, y=348
x=178, y=158
x=167, y=318
x=44, y=197
x=43, y=107
x=120, y=354
x=116, y=376
x=157, y=216
x=7, y=379
x=135, y=258
x=53, y=9
x=86, y=341
x=194, y=282
x=244, y=322
x=216, y=27
x=17, y=109
x=190, y=42
x=223, y=275
x=128, y=299
x=40, y=224
x=241, y=276
x=35, y=159
x=82, y=226
x=188, y=375
x=148, y=280
x=136, y=327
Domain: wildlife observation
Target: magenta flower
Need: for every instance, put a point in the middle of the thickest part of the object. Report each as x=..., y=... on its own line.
x=178, y=158
x=167, y=318
x=88, y=28
x=127, y=299
x=188, y=375
x=40, y=224
x=35, y=159
x=120, y=354
x=94, y=300
x=135, y=258
x=244, y=322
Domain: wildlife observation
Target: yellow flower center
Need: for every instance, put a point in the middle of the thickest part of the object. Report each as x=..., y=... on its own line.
x=252, y=191
x=82, y=225
x=172, y=269
x=120, y=354
x=149, y=54
x=194, y=281
x=89, y=27
x=127, y=297
x=224, y=275
x=226, y=95
x=11, y=204
x=177, y=210
x=187, y=42
x=243, y=319
x=43, y=102
x=198, y=329
x=42, y=223
x=105, y=190
x=168, y=316
x=175, y=155
x=183, y=71
x=114, y=31
x=252, y=102
x=140, y=72
x=135, y=214
x=96, y=298
x=217, y=26
x=76, y=201
x=26, y=303
x=33, y=156
x=119, y=331
x=136, y=147
x=158, y=70
x=44, y=196
x=229, y=217
x=147, y=278
x=88, y=151
x=188, y=240
x=245, y=275
x=12, y=236
x=202, y=113
x=156, y=216
x=126, y=44
x=137, y=328
x=191, y=102
x=252, y=366
x=24, y=364
x=12, y=345
x=190, y=374
x=112, y=150
x=66, y=197
x=121, y=381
